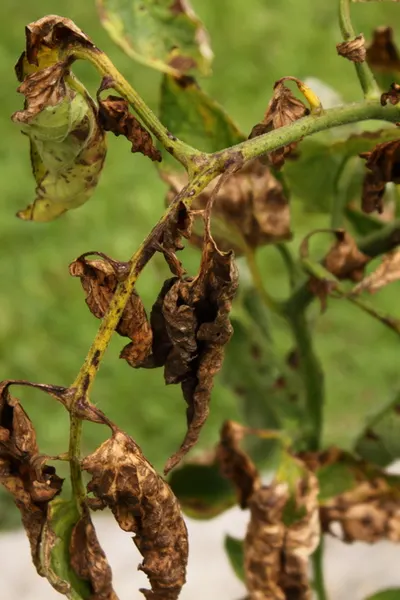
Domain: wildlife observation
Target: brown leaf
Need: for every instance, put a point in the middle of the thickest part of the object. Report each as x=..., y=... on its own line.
x=387, y=272
x=353, y=50
x=142, y=503
x=23, y=471
x=251, y=204
x=383, y=162
x=115, y=116
x=344, y=259
x=89, y=561
x=235, y=464
x=99, y=279
x=392, y=96
x=382, y=53
x=283, y=109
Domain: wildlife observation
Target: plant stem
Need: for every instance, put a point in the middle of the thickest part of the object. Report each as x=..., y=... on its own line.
x=318, y=571
x=364, y=73
x=189, y=157
x=269, y=302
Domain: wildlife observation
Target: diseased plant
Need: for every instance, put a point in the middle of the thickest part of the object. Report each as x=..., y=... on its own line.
x=230, y=198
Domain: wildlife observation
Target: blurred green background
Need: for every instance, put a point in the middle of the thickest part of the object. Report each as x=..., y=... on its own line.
x=45, y=326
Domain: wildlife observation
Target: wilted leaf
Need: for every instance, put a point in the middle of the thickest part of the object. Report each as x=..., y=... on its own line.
x=202, y=491
x=250, y=209
x=195, y=118
x=283, y=109
x=23, y=471
x=383, y=56
x=387, y=272
x=67, y=144
x=344, y=259
x=142, y=503
x=383, y=163
x=166, y=35
x=353, y=50
x=235, y=551
x=71, y=557
x=392, y=96
x=99, y=280
x=115, y=116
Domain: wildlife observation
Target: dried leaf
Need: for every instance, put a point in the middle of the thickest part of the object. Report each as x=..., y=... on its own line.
x=383, y=162
x=353, y=50
x=115, y=116
x=382, y=53
x=251, y=206
x=387, y=272
x=142, y=503
x=67, y=145
x=283, y=109
x=99, y=279
x=392, y=96
x=344, y=259
x=235, y=464
x=23, y=471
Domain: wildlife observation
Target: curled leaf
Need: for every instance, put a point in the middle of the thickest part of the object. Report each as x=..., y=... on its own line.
x=99, y=279
x=382, y=53
x=250, y=206
x=166, y=35
x=283, y=109
x=383, y=165
x=387, y=272
x=115, y=116
x=67, y=145
x=23, y=471
x=142, y=503
x=354, y=50
x=344, y=260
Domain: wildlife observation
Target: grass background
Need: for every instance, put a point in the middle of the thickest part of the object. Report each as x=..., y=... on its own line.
x=45, y=326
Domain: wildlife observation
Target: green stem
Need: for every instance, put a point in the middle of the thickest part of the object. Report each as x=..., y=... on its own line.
x=339, y=199
x=269, y=302
x=364, y=73
x=318, y=571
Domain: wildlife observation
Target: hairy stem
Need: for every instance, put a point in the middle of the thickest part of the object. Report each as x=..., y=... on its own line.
x=364, y=73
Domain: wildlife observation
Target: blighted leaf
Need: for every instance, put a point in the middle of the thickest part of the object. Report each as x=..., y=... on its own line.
x=202, y=491
x=283, y=109
x=379, y=443
x=387, y=272
x=67, y=144
x=115, y=116
x=23, y=471
x=250, y=209
x=99, y=279
x=383, y=56
x=187, y=111
x=392, y=96
x=166, y=35
x=383, y=165
x=354, y=50
x=235, y=551
x=142, y=503
x=344, y=259
x=71, y=557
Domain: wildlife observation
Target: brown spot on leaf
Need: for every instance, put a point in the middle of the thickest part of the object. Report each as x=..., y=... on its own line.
x=384, y=165
x=392, y=96
x=142, y=503
x=99, y=279
x=115, y=116
x=283, y=109
x=353, y=50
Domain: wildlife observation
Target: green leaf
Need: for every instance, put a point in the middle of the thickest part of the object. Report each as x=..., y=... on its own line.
x=54, y=550
x=234, y=549
x=380, y=442
x=195, y=118
x=163, y=34
x=202, y=491
x=314, y=176
x=391, y=594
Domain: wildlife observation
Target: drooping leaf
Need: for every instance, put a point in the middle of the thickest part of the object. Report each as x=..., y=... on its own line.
x=387, y=272
x=235, y=551
x=283, y=109
x=344, y=260
x=115, y=116
x=60, y=119
x=195, y=118
x=202, y=491
x=249, y=210
x=144, y=504
x=163, y=34
x=383, y=165
x=99, y=280
x=383, y=56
